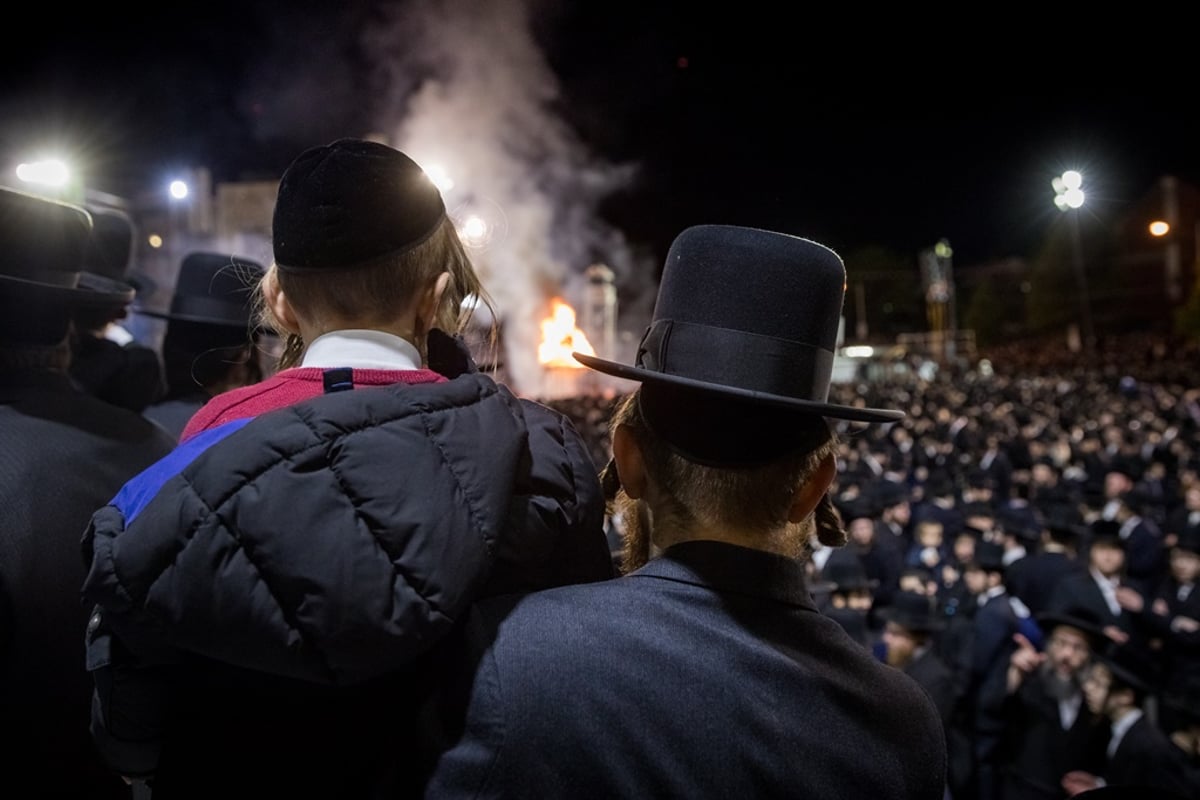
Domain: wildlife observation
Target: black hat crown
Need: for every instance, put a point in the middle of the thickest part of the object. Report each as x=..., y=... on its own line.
x=214, y=289
x=746, y=314
x=43, y=242
x=348, y=203
x=915, y=611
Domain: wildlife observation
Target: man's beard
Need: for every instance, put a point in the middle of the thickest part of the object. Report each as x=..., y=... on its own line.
x=1056, y=685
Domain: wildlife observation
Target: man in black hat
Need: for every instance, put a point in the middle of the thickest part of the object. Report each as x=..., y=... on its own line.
x=1048, y=729
x=64, y=453
x=106, y=360
x=1035, y=577
x=211, y=342
x=1171, y=616
x=912, y=625
x=1138, y=754
x=707, y=671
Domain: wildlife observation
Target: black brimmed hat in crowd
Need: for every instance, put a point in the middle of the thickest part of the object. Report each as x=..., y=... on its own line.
x=1082, y=619
x=1129, y=666
x=110, y=250
x=845, y=573
x=913, y=611
x=213, y=289
x=349, y=203
x=42, y=252
x=740, y=345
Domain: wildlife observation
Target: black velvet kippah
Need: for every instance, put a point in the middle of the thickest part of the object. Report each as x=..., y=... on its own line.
x=349, y=202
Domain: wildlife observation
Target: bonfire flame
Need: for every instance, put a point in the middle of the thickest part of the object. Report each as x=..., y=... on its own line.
x=560, y=337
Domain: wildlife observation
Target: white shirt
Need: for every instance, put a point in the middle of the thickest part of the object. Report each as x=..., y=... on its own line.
x=1108, y=588
x=1068, y=710
x=361, y=349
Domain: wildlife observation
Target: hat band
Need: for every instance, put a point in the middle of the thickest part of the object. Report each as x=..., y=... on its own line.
x=52, y=277
x=737, y=359
x=209, y=307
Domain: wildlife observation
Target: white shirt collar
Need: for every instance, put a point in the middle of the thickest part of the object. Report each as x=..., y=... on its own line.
x=361, y=349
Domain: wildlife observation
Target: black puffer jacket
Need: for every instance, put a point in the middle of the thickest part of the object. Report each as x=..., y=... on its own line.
x=269, y=598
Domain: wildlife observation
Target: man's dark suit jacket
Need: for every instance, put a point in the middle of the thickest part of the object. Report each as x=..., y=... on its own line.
x=707, y=673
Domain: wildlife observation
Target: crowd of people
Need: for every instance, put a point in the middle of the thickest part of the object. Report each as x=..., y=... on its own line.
x=1048, y=484
x=955, y=584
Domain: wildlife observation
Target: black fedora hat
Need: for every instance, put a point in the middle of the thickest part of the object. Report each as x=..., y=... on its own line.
x=914, y=611
x=42, y=251
x=749, y=315
x=214, y=289
x=847, y=574
x=1129, y=666
x=110, y=249
x=1082, y=619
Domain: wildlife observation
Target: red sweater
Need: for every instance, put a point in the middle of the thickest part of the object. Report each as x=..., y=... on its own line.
x=288, y=388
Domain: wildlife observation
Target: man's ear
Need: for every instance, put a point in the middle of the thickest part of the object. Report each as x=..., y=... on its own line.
x=628, y=457
x=277, y=303
x=809, y=493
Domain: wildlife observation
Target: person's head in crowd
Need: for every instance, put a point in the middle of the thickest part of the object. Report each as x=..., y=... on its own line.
x=1019, y=530
x=859, y=517
x=986, y=570
x=1071, y=637
x=401, y=275
x=711, y=443
x=910, y=624
x=893, y=502
x=980, y=488
x=1119, y=680
x=929, y=539
x=1063, y=529
x=106, y=360
x=918, y=580
x=1183, y=561
x=962, y=549
x=980, y=518
x=1117, y=481
x=1106, y=551
x=42, y=281
x=211, y=337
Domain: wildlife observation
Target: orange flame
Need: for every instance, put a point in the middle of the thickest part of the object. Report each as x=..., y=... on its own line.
x=560, y=337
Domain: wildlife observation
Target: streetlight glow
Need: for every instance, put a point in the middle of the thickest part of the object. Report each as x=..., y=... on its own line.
x=1068, y=196
x=1068, y=190
x=178, y=189
x=49, y=172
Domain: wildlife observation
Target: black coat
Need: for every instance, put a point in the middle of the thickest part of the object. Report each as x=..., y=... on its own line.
x=64, y=454
x=1037, y=751
x=1146, y=758
x=707, y=673
x=1034, y=578
x=285, y=590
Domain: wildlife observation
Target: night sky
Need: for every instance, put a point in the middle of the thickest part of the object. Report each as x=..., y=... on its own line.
x=850, y=130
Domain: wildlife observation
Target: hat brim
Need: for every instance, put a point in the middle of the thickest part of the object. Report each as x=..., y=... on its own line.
x=911, y=623
x=224, y=322
x=804, y=406
x=93, y=290
x=1053, y=619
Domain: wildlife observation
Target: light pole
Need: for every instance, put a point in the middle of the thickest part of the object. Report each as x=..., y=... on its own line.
x=1068, y=196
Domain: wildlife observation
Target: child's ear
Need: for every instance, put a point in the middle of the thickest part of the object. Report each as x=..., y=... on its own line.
x=428, y=305
x=277, y=303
